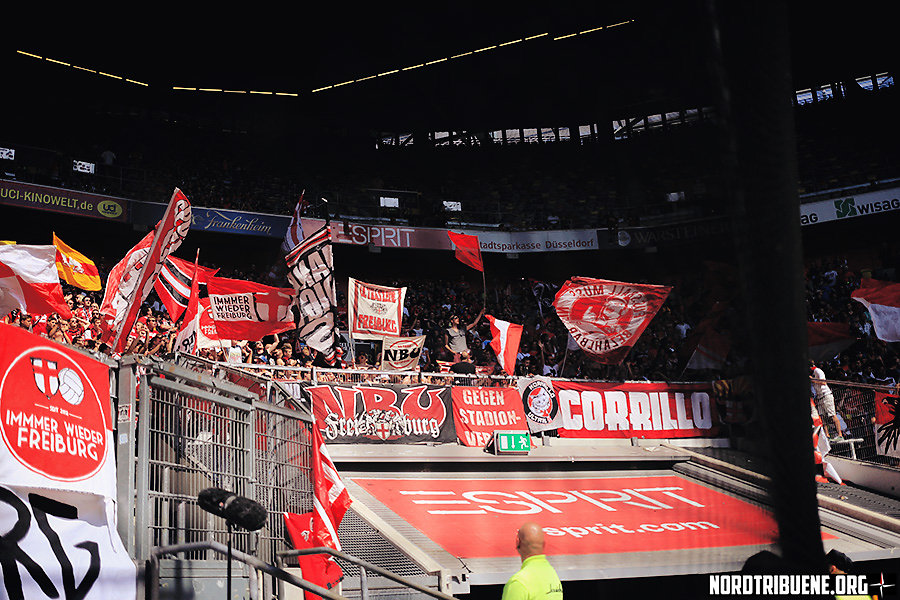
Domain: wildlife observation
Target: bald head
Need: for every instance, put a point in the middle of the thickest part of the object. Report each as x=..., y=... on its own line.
x=530, y=540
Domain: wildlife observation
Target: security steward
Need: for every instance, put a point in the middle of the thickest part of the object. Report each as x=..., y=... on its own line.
x=536, y=580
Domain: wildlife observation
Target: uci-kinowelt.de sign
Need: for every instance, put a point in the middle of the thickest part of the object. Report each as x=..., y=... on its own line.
x=578, y=515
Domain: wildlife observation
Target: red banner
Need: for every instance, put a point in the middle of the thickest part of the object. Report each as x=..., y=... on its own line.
x=579, y=516
x=606, y=318
x=479, y=411
x=56, y=427
x=245, y=310
x=640, y=410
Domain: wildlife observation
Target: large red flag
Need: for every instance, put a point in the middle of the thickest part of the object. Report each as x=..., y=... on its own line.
x=468, y=251
x=505, y=343
x=29, y=281
x=606, y=318
x=173, y=286
x=245, y=310
x=131, y=280
x=319, y=527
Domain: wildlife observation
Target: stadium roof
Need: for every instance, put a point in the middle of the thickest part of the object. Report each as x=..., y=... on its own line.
x=454, y=65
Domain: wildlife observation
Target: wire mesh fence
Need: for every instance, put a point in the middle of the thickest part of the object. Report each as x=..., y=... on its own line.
x=195, y=437
x=859, y=419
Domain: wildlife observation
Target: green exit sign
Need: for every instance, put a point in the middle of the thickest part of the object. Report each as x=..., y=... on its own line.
x=511, y=442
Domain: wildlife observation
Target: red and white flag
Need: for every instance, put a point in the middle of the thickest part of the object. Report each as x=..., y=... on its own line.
x=319, y=528
x=294, y=234
x=188, y=335
x=29, y=281
x=505, y=342
x=173, y=286
x=246, y=310
x=131, y=280
x=827, y=340
x=468, y=251
x=882, y=300
x=711, y=351
x=606, y=318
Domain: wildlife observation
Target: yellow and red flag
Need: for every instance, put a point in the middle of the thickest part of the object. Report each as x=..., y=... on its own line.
x=75, y=268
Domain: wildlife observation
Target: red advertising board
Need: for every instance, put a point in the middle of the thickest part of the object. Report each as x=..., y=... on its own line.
x=653, y=410
x=578, y=515
x=479, y=411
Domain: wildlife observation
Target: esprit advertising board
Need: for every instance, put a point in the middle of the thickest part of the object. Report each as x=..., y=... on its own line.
x=362, y=412
x=579, y=515
x=57, y=475
x=636, y=410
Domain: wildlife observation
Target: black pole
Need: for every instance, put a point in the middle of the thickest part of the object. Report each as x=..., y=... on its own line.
x=751, y=60
x=228, y=568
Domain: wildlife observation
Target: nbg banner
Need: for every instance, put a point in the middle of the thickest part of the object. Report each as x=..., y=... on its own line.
x=372, y=413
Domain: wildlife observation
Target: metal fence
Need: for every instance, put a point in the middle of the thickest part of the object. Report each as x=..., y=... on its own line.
x=181, y=431
x=857, y=417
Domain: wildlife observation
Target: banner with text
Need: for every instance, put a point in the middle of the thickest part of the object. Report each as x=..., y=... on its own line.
x=67, y=546
x=401, y=353
x=373, y=310
x=81, y=204
x=479, y=411
x=636, y=410
x=362, y=412
x=56, y=425
x=474, y=517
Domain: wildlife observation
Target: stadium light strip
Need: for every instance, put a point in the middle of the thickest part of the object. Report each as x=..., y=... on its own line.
x=63, y=63
x=334, y=85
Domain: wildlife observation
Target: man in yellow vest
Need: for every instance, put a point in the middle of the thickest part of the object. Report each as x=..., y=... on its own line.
x=536, y=580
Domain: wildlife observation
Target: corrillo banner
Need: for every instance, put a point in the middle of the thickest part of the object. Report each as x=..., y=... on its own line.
x=606, y=318
x=373, y=310
x=636, y=410
x=370, y=413
x=479, y=411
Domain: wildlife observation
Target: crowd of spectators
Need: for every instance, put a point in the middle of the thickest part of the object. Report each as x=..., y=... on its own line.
x=696, y=303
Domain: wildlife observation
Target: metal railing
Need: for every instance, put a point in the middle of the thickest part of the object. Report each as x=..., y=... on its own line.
x=857, y=413
x=364, y=568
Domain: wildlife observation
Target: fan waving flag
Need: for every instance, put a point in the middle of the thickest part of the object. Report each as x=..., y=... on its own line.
x=246, y=310
x=505, y=343
x=174, y=283
x=882, y=300
x=29, y=281
x=468, y=251
x=606, y=318
x=294, y=234
x=75, y=268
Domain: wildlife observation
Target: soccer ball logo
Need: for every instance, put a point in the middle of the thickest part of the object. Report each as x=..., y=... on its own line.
x=70, y=387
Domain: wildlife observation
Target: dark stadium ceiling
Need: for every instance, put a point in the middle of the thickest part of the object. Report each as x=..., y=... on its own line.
x=460, y=65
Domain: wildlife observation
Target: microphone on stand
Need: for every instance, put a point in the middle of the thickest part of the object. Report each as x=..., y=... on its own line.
x=238, y=510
